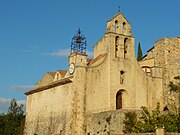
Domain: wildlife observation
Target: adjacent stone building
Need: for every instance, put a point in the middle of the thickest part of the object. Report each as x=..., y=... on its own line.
x=91, y=97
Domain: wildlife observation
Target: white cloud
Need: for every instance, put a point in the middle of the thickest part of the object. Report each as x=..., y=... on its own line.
x=5, y=103
x=22, y=87
x=60, y=53
x=65, y=53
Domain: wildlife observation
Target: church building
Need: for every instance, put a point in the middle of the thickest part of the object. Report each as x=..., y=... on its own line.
x=92, y=96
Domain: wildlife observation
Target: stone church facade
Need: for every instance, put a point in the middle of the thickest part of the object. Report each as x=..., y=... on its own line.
x=91, y=97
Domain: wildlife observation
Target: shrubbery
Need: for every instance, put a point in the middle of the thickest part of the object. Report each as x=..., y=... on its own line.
x=147, y=121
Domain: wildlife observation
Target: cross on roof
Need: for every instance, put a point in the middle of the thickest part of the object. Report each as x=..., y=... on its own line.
x=119, y=9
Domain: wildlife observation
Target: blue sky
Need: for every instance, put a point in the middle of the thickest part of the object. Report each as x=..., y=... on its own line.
x=35, y=35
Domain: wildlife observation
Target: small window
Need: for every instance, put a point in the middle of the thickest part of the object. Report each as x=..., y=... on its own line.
x=121, y=77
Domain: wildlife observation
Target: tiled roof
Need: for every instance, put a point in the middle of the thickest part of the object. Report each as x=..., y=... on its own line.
x=51, y=73
x=96, y=59
x=62, y=72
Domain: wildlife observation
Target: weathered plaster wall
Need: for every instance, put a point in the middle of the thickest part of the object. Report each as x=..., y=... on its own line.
x=97, y=86
x=46, y=109
x=100, y=47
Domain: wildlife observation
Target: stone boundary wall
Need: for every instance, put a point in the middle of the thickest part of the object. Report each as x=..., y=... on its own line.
x=105, y=123
x=111, y=123
x=147, y=134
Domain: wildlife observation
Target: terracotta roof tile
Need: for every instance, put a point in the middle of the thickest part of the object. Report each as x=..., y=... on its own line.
x=96, y=59
x=62, y=72
x=51, y=73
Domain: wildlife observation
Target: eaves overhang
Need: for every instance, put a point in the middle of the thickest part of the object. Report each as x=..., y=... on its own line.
x=50, y=85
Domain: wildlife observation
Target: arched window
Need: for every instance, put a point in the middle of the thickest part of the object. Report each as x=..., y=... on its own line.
x=123, y=27
x=121, y=77
x=115, y=26
x=116, y=46
x=125, y=47
x=119, y=99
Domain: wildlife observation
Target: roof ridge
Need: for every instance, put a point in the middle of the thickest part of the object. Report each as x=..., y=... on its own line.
x=96, y=59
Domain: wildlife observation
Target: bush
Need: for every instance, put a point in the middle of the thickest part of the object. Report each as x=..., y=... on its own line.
x=147, y=121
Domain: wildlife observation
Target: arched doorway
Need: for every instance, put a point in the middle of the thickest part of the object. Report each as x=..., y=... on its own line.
x=119, y=96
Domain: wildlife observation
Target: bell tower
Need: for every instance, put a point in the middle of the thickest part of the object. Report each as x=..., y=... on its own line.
x=77, y=69
x=78, y=54
x=119, y=25
x=120, y=50
x=78, y=44
x=119, y=31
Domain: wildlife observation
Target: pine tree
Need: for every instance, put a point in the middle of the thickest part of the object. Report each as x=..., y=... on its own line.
x=12, y=123
x=139, y=57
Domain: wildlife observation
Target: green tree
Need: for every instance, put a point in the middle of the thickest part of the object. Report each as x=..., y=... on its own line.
x=12, y=123
x=140, y=54
x=175, y=87
x=14, y=109
x=130, y=121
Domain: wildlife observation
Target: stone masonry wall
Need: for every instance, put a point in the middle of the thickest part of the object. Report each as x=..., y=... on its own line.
x=166, y=54
x=105, y=123
x=110, y=123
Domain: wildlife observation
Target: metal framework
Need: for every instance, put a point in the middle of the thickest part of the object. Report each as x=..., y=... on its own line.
x=78, y=43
